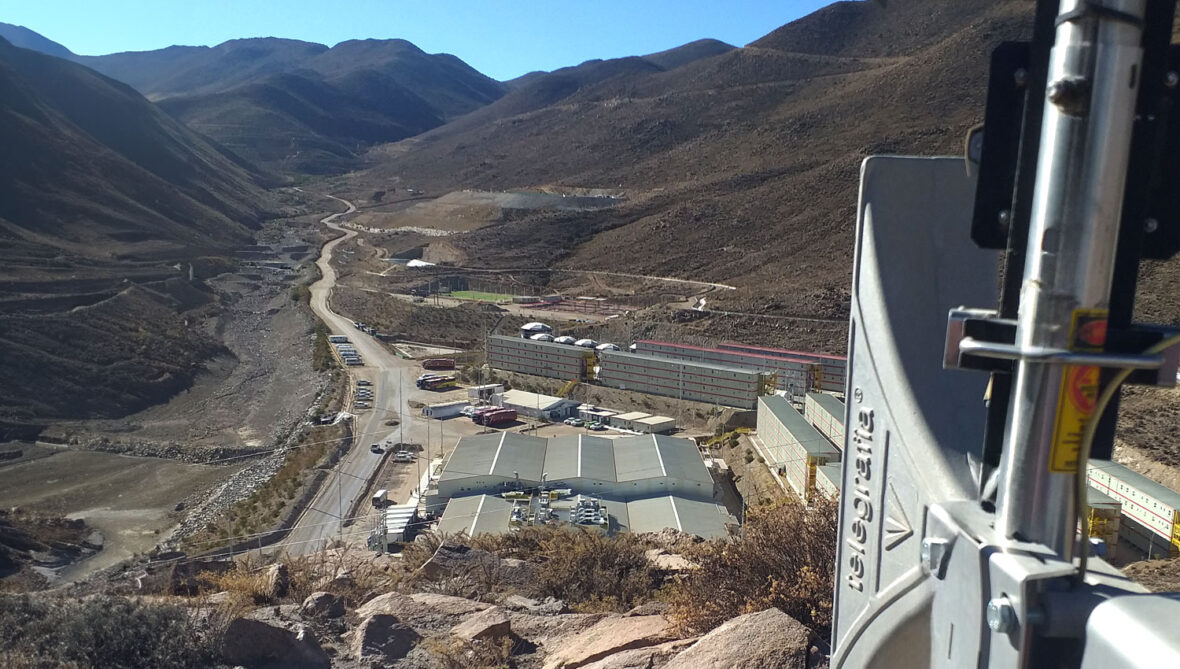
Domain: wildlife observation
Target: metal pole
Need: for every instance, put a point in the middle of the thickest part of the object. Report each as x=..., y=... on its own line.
x=339, y=509
x=1081, y=173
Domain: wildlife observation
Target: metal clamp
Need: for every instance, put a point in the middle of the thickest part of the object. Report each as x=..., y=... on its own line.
x=988, y=349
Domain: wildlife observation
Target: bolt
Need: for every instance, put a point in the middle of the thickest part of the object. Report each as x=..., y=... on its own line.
x=1151, y=225
x=1070, y=95
x=1020, y=76
x=1001, y=615
x=934, y=554
x=1005, y=217
x=1171, y=79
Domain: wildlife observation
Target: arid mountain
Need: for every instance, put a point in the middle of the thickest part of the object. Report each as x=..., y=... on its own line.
x=302, y=107
x=27, y=39
x=101, y=196
x=741, y=166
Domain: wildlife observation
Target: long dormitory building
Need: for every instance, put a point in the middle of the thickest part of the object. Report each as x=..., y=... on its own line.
x=723, y=385
x=797, y=372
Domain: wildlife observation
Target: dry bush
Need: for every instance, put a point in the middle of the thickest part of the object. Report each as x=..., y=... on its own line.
x=785, y=558
x=585, y=568
x=102, y=631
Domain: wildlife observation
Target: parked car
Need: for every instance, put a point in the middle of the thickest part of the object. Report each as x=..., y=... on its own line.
x=576, y=422
x=361, y=405
x=364, y=382
x=403, y=456
x=596, y=426
x=467, y=411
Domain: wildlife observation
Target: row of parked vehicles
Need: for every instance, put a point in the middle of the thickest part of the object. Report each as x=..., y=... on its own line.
x=364, y=394
x=578, y=422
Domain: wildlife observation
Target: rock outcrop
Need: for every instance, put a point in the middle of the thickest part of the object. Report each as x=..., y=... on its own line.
x=267, y=645
x=768, y=639
x=609, y=636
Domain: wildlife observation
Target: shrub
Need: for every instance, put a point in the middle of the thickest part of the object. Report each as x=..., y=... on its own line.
x=102, y=631
x=785, y=558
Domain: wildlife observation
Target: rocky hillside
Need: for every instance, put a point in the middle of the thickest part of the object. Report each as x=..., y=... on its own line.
x=302, y=107
x=740, y=166
x=105, y=201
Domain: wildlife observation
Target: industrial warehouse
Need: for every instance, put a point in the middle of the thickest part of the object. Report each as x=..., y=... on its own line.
x=494, y=482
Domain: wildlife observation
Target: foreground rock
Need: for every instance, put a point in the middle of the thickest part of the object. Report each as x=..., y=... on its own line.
x=652, y=657
x=261, y=645
x=484, y=626
x=768, y=639
x=610, y=636
x=278, y=581
x=383, y=638
x=322, y=605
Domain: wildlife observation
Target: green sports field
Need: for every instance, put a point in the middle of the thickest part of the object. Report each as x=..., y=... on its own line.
x=482, y=297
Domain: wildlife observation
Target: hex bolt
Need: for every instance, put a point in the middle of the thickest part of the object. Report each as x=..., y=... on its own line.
x=1005, y=218
x=1001, y=615
x=1151, y=225
x=1020, y=77
x=1171, y=79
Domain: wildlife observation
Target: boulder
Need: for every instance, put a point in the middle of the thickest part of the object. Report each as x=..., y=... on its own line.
x=611, y=635
x=669, y=562
x=391, y=603
x=453, y=559
x=652, y=657
x=382, y=638
x=768, y=639
x=446, y=604
x=261, y=645
x=277, y=581
x=322, y=605
x=548, y=607
x=484, y=626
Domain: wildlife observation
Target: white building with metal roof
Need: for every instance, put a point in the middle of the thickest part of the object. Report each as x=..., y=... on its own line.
x=642, y=484
x=624, y=468
x=537, y=405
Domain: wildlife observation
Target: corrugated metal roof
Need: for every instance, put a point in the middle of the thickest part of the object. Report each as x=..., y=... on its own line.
x=1139, y=481
x=808, y=437
x=656, y=420
x=607, y=355
x=829, y=403
x=632, y=415
x=522, y=398
x=477, y=514
x=637, y=458
x=653, y=514
x=520, y=456
x=576, y=456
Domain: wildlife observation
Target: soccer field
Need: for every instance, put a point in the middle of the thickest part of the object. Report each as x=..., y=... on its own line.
x=482, y=297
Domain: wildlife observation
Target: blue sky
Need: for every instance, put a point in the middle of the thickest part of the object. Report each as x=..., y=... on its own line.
x=500, y=38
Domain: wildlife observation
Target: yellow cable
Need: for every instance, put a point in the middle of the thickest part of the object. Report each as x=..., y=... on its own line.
x=1081, y=483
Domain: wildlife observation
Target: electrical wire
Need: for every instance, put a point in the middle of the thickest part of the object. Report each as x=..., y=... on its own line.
x=1081, y=483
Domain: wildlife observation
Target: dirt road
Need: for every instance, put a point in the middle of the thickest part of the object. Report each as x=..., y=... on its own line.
x=392, y=381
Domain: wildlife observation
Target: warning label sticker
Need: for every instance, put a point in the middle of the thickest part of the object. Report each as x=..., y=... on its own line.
x=1075, y=405
x=1079, y=390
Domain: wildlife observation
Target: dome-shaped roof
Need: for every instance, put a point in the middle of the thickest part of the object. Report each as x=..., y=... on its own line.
x=565, y=340
x=536, y=327
x=607, y=347
x=541, y=336
x=588, y=343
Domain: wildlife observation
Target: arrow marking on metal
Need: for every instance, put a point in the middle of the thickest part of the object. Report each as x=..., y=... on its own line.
x=896, y=531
